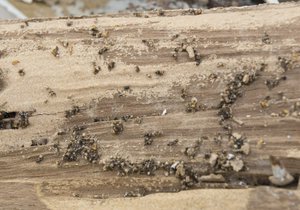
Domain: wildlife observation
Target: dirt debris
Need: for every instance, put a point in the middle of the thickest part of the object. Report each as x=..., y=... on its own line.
x=245, y=148
x=212, y=178
x=190, y=51
x=224, y=161
x=260, y=143
x=213, y=159
x=187, y=175
x=164, y=112
x=237, y=164
x=280, y=177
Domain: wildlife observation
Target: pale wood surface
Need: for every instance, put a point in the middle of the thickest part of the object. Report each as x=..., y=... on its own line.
x=228, y=40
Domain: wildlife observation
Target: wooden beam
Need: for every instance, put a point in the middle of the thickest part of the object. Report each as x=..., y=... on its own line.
x=82, y=72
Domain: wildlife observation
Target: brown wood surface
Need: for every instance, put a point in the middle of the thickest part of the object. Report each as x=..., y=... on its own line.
x=229, y=42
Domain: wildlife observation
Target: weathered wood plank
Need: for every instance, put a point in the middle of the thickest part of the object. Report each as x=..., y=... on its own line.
x=230, y=42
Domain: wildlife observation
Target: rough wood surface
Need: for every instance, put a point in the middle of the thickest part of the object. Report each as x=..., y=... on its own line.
x=46, y=82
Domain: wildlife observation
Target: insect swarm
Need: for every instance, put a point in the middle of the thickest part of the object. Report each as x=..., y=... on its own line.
x=81, y=145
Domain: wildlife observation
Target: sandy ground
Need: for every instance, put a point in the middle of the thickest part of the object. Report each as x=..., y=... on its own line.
x=36, y=78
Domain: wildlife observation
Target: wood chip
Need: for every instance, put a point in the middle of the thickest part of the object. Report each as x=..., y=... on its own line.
x=237, y=164
x=212, y=178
